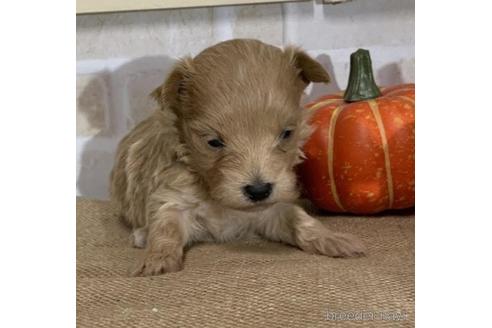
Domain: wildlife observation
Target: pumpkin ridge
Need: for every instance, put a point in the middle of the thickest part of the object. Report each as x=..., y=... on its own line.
x=382, y=132
x=390, y=93
x=399, y=87
x=327, y=102
x=331, y=141
x=406, y=98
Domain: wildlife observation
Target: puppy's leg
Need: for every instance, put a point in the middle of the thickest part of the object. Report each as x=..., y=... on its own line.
x=166, y=239
x=138, y=238
x=291, y=224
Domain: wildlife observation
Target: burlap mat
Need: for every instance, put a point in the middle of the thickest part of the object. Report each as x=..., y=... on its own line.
x=247, y=284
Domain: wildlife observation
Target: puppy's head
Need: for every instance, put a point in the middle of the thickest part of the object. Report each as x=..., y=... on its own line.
x=239, y=117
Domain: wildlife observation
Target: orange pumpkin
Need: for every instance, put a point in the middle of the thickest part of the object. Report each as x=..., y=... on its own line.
x=361, y=156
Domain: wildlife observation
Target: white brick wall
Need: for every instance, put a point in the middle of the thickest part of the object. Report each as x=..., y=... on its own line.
x=122, y=57
x=92, y=104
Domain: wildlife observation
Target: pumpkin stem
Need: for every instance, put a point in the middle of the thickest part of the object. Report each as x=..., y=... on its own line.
x=361, y=85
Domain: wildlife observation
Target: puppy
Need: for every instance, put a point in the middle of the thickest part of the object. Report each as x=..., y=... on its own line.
x=215, y=162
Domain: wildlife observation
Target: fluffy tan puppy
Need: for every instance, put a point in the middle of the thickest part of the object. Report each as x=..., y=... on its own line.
x=215, y=163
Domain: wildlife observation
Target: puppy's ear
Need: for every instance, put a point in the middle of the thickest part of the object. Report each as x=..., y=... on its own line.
x=172, y=93
x=309, y=70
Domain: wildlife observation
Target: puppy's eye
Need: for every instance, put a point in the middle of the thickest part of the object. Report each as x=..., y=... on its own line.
x=285, y=134
x=216, y=143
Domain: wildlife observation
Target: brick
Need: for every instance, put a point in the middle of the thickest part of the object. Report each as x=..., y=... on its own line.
x=350, y=25
x=262, y=22
x=93, y=171
x=138, y=88
x=408, y=70
x=402, y=71
x=92, y=104
x=133, y=34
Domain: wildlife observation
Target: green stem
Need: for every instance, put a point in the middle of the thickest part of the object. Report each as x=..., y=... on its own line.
x=361, y=85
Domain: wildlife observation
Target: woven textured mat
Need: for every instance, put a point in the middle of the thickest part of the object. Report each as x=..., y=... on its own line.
x=251, y=283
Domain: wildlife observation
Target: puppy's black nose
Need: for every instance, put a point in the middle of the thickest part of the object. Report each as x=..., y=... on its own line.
x=258, y=191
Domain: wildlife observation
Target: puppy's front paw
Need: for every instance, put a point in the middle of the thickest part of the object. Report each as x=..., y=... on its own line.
x=336, y=245
x=158, y=263
x=344, y=245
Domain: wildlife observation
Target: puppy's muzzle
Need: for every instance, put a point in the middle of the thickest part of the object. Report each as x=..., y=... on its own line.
x=258, y=191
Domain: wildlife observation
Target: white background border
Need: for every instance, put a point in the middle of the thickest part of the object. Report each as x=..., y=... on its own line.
x=454, y=136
